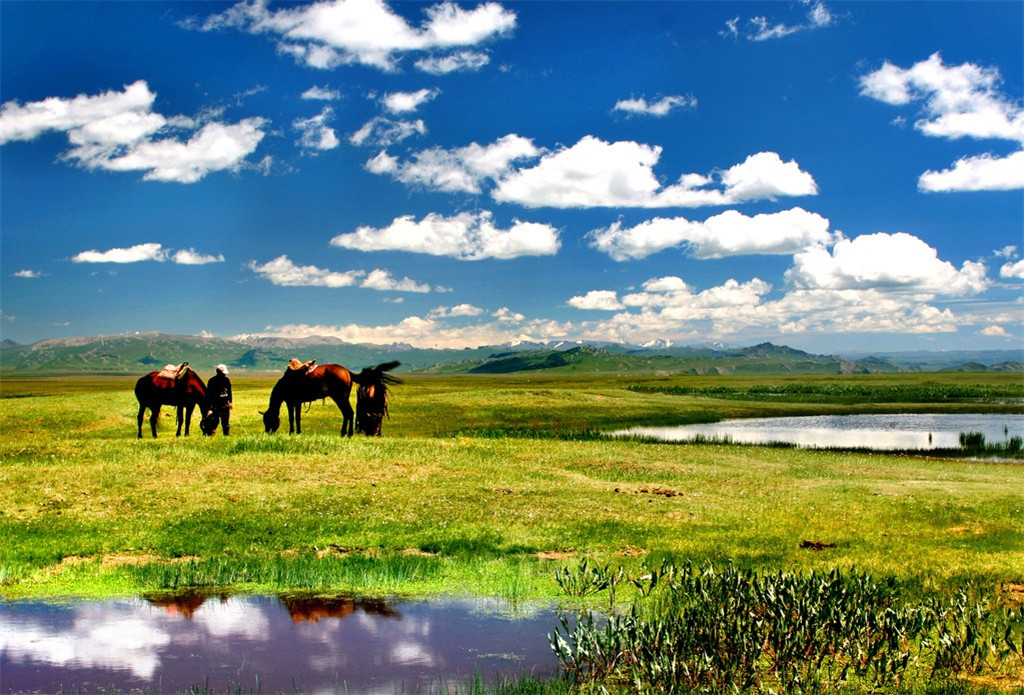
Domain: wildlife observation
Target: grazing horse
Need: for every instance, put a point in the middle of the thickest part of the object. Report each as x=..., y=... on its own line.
x=372, y=398
x=308, y=383
x=185, y=390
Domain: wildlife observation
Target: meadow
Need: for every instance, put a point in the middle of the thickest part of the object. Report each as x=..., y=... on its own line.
x=497, y=486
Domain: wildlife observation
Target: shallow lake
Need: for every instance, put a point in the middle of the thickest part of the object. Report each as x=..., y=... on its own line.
x=268, y=644
x=880, y=432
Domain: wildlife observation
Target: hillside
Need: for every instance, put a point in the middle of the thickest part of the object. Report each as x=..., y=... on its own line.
x=140, y=352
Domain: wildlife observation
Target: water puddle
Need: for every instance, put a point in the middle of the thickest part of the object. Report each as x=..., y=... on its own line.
x=880, y=432
x=268, y=644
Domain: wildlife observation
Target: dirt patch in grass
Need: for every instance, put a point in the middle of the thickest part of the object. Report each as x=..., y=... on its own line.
x=564, y=554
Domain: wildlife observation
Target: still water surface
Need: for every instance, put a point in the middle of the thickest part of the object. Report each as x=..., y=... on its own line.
x=880, y=432
x=267, y=644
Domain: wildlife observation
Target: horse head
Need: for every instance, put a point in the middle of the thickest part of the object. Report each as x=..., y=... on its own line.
x=271, y=421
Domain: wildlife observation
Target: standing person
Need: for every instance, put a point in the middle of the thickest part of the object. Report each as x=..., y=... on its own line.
x=218, y=390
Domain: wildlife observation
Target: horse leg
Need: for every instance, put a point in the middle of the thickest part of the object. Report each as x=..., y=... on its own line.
x=188, y=417
x=154, y=414
x=291, y=418
x=142, y=416
x=298, y=419
x=348, y=415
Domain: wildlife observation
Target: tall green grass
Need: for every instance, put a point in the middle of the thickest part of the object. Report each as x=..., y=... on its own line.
x=724, y=630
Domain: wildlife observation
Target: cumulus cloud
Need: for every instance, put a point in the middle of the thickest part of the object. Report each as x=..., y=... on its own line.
x=315, y=133
x=957, y=101
x=133, y=254
x=661, y=106
x=594, y=173
x=146, y=252
x=891, y=262
x=405, y=102
x=762, y=29
x=981, y=173
x=118, y=131
x=1012, y=270
x=591, y=173
x=193, y=257
x=606, y=300
x=455, y=311
x=995, y=331
x=462, y=169
x=282, y=271
x=467, y=236
x=335, y=32
x=729, y=234
x=459, y=61
x=321, y=94
x=384, y=281
x=384, y=132
x=28, y=274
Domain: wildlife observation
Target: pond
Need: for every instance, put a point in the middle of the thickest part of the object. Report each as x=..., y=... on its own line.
x=269, y=644
x=879, y=432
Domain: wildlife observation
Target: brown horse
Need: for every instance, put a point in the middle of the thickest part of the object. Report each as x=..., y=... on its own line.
x=185, y=391
x=372, y=398
x=299, y=386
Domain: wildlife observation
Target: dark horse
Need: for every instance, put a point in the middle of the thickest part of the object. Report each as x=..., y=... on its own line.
x=299, y=386
x=372, y=398
x=185, y=391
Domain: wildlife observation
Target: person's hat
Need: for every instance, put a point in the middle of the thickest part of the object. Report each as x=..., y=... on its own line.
x=222, y=368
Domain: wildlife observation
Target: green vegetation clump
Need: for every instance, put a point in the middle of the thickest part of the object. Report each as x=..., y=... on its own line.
x=713, y=629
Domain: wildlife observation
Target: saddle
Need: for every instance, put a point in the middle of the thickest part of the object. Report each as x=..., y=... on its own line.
x=171, y=371
x=300, y=368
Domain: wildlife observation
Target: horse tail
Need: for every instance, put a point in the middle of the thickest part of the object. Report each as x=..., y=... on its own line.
x=378, y=374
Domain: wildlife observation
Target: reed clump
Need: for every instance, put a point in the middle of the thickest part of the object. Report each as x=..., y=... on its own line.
x=720, y=629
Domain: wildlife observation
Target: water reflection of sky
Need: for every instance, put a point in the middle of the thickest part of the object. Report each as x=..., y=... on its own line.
x=882, y=432
x=267, y=644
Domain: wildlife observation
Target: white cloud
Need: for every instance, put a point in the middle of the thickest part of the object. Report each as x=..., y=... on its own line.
x=383, y=132
x=321, y=94
x=405, y=102
x=467, y=236
x=315, y=133
x=282, y=271
x=459, y=61
x=335, y=32
x=117, y=131
x=463, y=169
x=30, y=274
x=660, y=107
x=606, y=300
x=958, y=101
x=147, y=252
x=455, y=311
x=193, y=257
x=982, y=173
x=886, y=262
x=761, y=29
x=1012, y=270
x=728, y=234
x=383, y=280
x=996, y=331
x=594, y=173
x=133, y=254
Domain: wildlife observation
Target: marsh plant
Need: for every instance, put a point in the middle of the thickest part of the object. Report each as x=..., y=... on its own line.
x=716, y=629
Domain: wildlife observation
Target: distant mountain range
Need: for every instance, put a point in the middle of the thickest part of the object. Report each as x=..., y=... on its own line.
x=141, y=352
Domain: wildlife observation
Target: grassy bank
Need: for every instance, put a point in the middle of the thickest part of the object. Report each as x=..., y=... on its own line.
x=88, y=509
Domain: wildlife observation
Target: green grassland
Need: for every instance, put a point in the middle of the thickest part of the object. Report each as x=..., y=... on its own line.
x=485, y=485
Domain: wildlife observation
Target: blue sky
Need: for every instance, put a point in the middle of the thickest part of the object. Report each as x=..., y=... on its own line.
x=833, y=176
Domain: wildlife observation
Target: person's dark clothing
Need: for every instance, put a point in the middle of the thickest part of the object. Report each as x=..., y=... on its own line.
x=218, y=390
